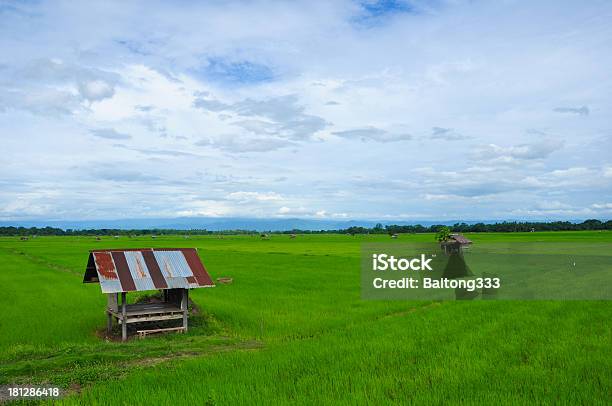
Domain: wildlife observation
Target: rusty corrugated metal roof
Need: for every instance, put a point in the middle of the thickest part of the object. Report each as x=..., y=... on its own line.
x=127, y=270
x=460, y=239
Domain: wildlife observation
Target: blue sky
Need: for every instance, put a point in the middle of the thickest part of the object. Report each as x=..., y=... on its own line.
x=407, y=110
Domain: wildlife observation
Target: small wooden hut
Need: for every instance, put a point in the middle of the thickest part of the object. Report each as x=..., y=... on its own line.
x=456, y=243
x=173, y=271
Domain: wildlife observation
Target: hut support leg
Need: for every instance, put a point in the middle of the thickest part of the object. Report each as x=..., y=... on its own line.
x=185, y=307
x=109, y=322
x=123, y=318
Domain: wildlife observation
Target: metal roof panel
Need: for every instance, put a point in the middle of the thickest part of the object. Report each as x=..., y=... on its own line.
x=173, y=263
x=138, y=269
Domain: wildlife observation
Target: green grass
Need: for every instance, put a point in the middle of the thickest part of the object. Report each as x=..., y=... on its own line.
x=292, y=328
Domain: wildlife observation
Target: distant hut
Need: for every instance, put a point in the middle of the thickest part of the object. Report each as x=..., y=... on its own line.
x=154, y=236
x=292, y=235
x=393, y=236
x=172, y=270
x=264, y=236
x=24, y=238
x=98, y=239
x=456, y=243
x=116, y=237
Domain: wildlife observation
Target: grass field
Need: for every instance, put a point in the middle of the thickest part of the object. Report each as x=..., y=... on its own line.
x=292, y=328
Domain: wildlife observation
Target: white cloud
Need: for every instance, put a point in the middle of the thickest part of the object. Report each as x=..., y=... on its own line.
x=258, y=196
x=295, y=211
x=110, y=133
x=372, y=134
x=241, y=144
x=284, y=210
x=537, y=150
x=96, y=90
x=301, y=211
x=52, y=86
x=279, y=116
x=446, y=134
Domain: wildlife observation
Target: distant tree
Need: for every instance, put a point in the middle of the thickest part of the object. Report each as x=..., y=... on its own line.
x=592, y=224
x=443, y=234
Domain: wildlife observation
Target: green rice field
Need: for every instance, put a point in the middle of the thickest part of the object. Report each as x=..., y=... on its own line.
x=292, y=328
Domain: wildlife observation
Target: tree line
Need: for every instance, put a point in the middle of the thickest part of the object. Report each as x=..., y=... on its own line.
x=506, y=227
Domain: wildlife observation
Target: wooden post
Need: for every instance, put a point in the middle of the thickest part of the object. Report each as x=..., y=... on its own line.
x=185, y=308
x=109, y=322
x=109, y=316
x=123, y=318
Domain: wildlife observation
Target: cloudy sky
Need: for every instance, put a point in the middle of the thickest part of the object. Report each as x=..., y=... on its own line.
x=416, y=110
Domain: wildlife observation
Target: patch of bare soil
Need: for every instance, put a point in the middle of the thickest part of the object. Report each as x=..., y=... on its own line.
x=215, y=349
x=412, y=310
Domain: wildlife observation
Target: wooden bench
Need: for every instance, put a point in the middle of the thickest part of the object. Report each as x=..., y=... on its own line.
x=144, y=333
x=174, y=306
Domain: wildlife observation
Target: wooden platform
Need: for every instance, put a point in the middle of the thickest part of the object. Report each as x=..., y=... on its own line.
x=136, y=313
x=174, y=307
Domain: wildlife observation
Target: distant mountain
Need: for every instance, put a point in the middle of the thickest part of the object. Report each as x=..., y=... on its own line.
x=217, y=223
